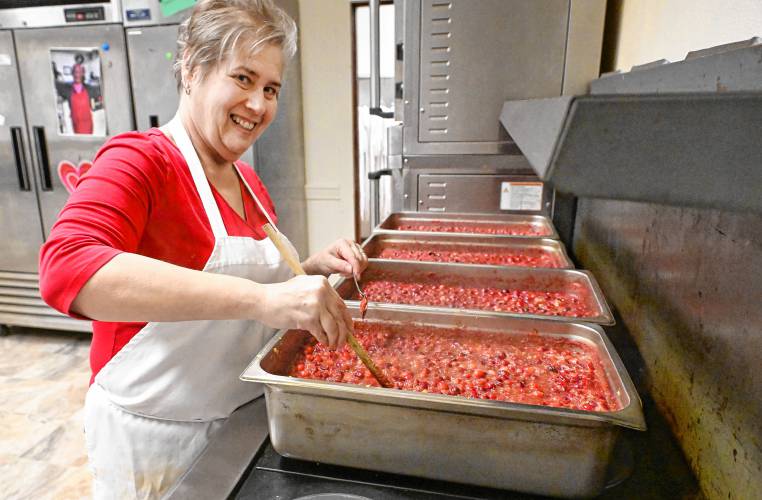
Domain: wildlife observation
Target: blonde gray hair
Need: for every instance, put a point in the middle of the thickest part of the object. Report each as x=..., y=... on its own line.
x=216, y=28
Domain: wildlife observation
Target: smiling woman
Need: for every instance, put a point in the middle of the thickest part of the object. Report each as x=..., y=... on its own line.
x=161, y=245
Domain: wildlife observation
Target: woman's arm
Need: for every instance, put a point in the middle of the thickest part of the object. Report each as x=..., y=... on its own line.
x=132, y=287
x=89, y=265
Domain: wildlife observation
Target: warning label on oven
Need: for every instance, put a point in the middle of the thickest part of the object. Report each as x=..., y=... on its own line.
x=521, y=196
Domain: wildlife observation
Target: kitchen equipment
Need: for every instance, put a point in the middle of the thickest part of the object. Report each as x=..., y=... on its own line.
x=551, y=250
x=581, y=283
x=538, y=225
x=296, y=267
x=536, y=449
x=44, y=149
x=448, y=152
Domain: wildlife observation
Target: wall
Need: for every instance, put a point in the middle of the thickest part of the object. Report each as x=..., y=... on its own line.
x=326, y=61
x=654, y=29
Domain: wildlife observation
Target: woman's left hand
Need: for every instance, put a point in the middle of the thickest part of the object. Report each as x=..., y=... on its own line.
x=344, y=257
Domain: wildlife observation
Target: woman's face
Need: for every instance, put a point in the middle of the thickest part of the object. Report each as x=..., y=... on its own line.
x=79, y=73
x=236, y=102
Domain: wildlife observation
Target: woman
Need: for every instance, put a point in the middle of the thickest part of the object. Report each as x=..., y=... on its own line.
x=79, y=96
x=79, y=103
x=166, y=229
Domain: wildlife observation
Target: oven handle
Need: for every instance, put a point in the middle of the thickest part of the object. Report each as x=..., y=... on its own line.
x=375, y=192
x=375, y=64
x=41, y=148
x=17, y=136
x=374, y=176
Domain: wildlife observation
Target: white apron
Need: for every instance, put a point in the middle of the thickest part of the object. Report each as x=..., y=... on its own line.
x=151, y=410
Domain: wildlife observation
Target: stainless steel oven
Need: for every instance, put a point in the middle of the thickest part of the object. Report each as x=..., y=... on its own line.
x=456, y=64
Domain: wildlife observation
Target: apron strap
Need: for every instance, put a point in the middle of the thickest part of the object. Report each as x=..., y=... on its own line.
x=185, y=145
x=256, y=199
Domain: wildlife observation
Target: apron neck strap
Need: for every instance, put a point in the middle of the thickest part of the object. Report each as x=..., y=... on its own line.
x=185, y=145
x=256, y=198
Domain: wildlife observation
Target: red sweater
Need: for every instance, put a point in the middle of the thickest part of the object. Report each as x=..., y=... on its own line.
x=138, y=197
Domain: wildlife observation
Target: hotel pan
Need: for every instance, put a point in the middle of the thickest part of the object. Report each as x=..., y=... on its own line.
x=522, y=278
x=535, y=449
x=538, y=221
x=469, y=243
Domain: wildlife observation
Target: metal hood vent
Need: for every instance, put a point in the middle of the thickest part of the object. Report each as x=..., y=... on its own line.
x=675, y=143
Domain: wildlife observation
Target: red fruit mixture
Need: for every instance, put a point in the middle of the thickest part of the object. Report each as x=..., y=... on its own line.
x=505, y=229
x=487, y=298
x=521, y=368
x=526, y=258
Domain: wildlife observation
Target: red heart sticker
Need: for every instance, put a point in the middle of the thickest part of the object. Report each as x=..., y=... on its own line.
x=71, y=174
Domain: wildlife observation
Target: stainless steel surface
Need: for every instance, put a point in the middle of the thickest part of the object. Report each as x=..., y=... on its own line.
x=134, y=13
x=520, y=48
x=680, y=134
x=545, y=450
x=453, y=60
x=231, y=449
x=379, y=241
x=154, y=88
x=535, y=125
x=727, y=68
x=687, y=284
x=279, y=152
x=33, y=48
x=475, y=193
x=576, y=282
x=538, y=222
x=36, y=17
x=584, y=42
x=375, y=50
x=19, y=213
x=484, y=172
x=21, y=305
x=681, y=149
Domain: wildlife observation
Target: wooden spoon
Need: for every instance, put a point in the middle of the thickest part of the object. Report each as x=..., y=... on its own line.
x=296, y=268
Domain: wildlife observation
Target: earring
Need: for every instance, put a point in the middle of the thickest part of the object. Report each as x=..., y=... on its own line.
x=187, y=89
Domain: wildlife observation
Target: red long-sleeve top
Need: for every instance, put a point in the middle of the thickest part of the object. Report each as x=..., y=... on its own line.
x=138, y=197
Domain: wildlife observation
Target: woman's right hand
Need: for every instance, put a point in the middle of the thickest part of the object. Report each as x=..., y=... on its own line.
x=308, y=303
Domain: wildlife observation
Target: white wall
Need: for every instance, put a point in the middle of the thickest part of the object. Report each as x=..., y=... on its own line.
x=326, y=57
x=656, y=29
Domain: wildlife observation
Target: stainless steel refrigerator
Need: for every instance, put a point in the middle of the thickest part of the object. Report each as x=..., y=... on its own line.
x=64, y=90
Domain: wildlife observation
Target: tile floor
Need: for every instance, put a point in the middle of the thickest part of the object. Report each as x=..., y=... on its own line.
x=43, y=380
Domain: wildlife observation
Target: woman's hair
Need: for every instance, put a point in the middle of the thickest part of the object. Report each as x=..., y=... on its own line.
x=216, y=28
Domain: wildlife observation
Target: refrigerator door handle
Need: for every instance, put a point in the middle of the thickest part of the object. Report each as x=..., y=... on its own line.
x=17, y=136
x=41, y=148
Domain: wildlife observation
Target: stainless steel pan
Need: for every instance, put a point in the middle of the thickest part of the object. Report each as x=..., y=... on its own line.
x=535, y=449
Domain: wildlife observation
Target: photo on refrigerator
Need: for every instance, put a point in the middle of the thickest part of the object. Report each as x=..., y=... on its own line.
x=78, y=90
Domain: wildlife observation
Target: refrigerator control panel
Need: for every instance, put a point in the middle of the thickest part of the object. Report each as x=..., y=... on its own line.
x=84, y=14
